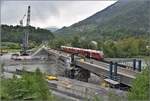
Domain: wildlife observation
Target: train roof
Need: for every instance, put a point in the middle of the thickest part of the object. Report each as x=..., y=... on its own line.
x=88, y=50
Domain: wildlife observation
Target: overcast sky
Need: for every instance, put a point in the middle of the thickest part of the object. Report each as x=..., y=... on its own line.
x=50, y=13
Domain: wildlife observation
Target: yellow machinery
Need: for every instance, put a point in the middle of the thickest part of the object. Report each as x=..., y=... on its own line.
x=50, y=77
x=105, y=84
x=4, y=51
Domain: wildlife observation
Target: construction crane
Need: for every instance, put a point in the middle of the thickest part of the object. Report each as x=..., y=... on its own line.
x=21, y=21
x=26, y=33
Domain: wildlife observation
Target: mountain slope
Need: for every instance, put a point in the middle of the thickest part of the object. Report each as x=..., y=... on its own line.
x=123, y=17
x=52, y=29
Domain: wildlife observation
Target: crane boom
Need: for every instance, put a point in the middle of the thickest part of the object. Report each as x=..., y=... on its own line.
x=21, y=21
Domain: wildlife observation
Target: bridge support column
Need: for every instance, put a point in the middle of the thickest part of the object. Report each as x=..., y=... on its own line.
x=134, y=64
x=110, y=70
x=72, y=57
x=72, y=74
x=115, y=71
x=139, y=65
x=82, y=74
x=72, y=60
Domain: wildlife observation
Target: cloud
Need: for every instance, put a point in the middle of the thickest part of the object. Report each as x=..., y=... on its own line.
x=50, y=13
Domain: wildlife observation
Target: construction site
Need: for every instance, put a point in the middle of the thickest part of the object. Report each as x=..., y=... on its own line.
x=73, y=73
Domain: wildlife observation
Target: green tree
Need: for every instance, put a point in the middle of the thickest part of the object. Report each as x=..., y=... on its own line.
x=31, y=86
x=110, y=49
x=140, y=87
x=75, y=41
x=16, y=33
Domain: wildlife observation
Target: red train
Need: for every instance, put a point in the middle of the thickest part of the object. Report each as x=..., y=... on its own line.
x=98, y=55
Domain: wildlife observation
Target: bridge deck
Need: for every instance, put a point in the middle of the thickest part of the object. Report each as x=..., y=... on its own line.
x=125, y=75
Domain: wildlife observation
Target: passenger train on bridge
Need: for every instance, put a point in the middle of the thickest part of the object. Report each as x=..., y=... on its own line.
x=98, y=55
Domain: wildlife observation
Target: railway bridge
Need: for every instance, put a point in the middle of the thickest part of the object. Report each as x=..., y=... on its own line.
x=112, y=72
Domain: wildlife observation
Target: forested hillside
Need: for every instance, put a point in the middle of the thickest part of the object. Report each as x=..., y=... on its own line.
x=16, y=34
x=124, y=18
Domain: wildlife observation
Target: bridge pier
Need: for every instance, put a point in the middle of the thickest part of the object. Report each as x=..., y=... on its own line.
x=134, y=64
x=139, y=65
x=110, y=70
x=113, y=80
x=79, y=74
x=115, y=71
x=82, y=75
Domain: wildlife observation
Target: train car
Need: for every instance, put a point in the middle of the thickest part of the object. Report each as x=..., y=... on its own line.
x=98, y=55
